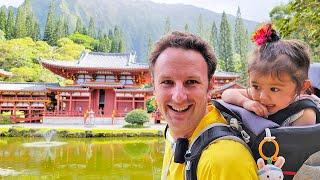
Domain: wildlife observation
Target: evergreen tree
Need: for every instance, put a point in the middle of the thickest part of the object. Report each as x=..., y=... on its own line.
x=200, y=27
x=121, y=46
x=91, y=31
x=20, y=27
x=60, y=28
x=213, y=39
x=50, y=29
x=186, y=28
x=167, y=25
x=36, y=32
x=29, y=25
x=225, y=45
x=66, y=27
x=149, y=46
x=3, y=19
x=241, y=44
x=10, y=24
x=79, y=26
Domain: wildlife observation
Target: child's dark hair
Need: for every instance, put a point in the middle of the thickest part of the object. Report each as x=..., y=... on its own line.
x=276, y=56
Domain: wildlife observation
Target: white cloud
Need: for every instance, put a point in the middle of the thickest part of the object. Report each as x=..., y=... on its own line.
x=14, y=3
x=250, y=9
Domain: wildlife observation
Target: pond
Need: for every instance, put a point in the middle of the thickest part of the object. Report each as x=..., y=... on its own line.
x=91, y=158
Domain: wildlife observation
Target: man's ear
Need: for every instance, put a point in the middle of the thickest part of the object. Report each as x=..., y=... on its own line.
x=210, y=88
x=306, y=84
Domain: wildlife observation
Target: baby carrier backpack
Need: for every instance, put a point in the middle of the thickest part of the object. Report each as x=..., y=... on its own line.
x=296, y=143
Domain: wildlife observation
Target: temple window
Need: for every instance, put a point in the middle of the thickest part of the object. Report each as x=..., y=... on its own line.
x=105, y=78
x=82, y=78
x=126, y=80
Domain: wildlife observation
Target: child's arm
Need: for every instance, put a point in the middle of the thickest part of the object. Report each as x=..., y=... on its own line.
x=240, y=97
x=308, y=118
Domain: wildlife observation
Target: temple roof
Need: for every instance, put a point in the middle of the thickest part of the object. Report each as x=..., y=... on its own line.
x=224, y=74
x=68, y=88
x=134, y=90
x=11, y=86
x=98, y=60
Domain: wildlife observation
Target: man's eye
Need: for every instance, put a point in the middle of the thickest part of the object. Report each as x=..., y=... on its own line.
x=255, y=87
x=167, y=82
x=273, y=89
x=191, y=82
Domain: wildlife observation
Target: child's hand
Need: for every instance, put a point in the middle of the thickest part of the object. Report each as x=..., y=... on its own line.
x=256, y=107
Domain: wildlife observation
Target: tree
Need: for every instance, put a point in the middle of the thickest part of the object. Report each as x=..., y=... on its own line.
x=10, y=24
x=60, y=31
x=20, y=28
x=3, y=18
x=30, y=25
x=91, y=28
x=213, y=39
x=2, y=35
x=200, y=27
x=79, y=26
x=149, y=45
x=36, y=32
x=50, y=29
x=299, y=19
x=167, y=25
x=225, y=45
x=186, y=28
x=241, y=45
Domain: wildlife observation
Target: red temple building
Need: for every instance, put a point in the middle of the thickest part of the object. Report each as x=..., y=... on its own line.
x=109, y=84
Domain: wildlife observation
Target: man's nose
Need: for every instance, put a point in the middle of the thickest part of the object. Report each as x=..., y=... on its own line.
x=179, y=93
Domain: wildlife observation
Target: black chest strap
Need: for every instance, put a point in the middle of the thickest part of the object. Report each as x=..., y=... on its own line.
x=280, y=116
x=209, y=135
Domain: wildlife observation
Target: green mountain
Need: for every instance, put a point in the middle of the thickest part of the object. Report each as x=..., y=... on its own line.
x=138, y=19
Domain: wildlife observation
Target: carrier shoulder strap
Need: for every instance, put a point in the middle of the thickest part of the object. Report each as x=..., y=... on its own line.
x=209, y=135
x=294, y=108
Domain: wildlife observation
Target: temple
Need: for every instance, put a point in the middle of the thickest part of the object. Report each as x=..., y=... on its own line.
x=107, y=84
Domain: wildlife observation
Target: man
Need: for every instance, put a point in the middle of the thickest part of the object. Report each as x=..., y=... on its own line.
x=182, y=66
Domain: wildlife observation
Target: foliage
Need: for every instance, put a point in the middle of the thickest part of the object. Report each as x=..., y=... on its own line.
x=20, y=56
x=213, y=37
x=241, y=42
x=85, y=40
x=5, y=119
x=10, y=24
x=299, y=19
x=50, y=28
x=67, y=49
x=167, y=25
x=137, y=116
x=3, y=18
x=151, y=105
x=225, y=45
x=2, y=35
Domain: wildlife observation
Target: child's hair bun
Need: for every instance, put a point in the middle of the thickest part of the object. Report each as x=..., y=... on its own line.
x=265, y=34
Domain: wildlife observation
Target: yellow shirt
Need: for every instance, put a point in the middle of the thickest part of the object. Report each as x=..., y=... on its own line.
x=224, y=159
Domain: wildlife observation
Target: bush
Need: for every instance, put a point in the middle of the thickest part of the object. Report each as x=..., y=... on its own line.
x=137, y=116
x=151, y=105
x=4, y=119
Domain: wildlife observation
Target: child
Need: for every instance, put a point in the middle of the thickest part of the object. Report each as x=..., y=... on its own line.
x=278, y=76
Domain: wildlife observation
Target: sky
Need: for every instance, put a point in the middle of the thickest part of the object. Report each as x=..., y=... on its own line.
x=256, y=10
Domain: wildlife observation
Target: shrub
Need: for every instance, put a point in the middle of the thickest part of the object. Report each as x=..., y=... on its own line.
x=151, y=105
x=137, y=116
x=5, y=119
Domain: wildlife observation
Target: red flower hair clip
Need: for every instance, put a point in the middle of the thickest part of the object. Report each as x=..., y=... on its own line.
x=265, y=34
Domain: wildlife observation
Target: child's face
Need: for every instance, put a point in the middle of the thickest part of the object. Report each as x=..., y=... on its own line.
x=272, y=92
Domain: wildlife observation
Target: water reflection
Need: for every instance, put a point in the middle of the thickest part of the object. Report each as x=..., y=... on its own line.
x=121, y=158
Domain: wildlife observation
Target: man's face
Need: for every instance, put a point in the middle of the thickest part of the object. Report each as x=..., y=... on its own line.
x=181, y=89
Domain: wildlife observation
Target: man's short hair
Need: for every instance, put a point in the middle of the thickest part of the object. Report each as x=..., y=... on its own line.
x=185, y=41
